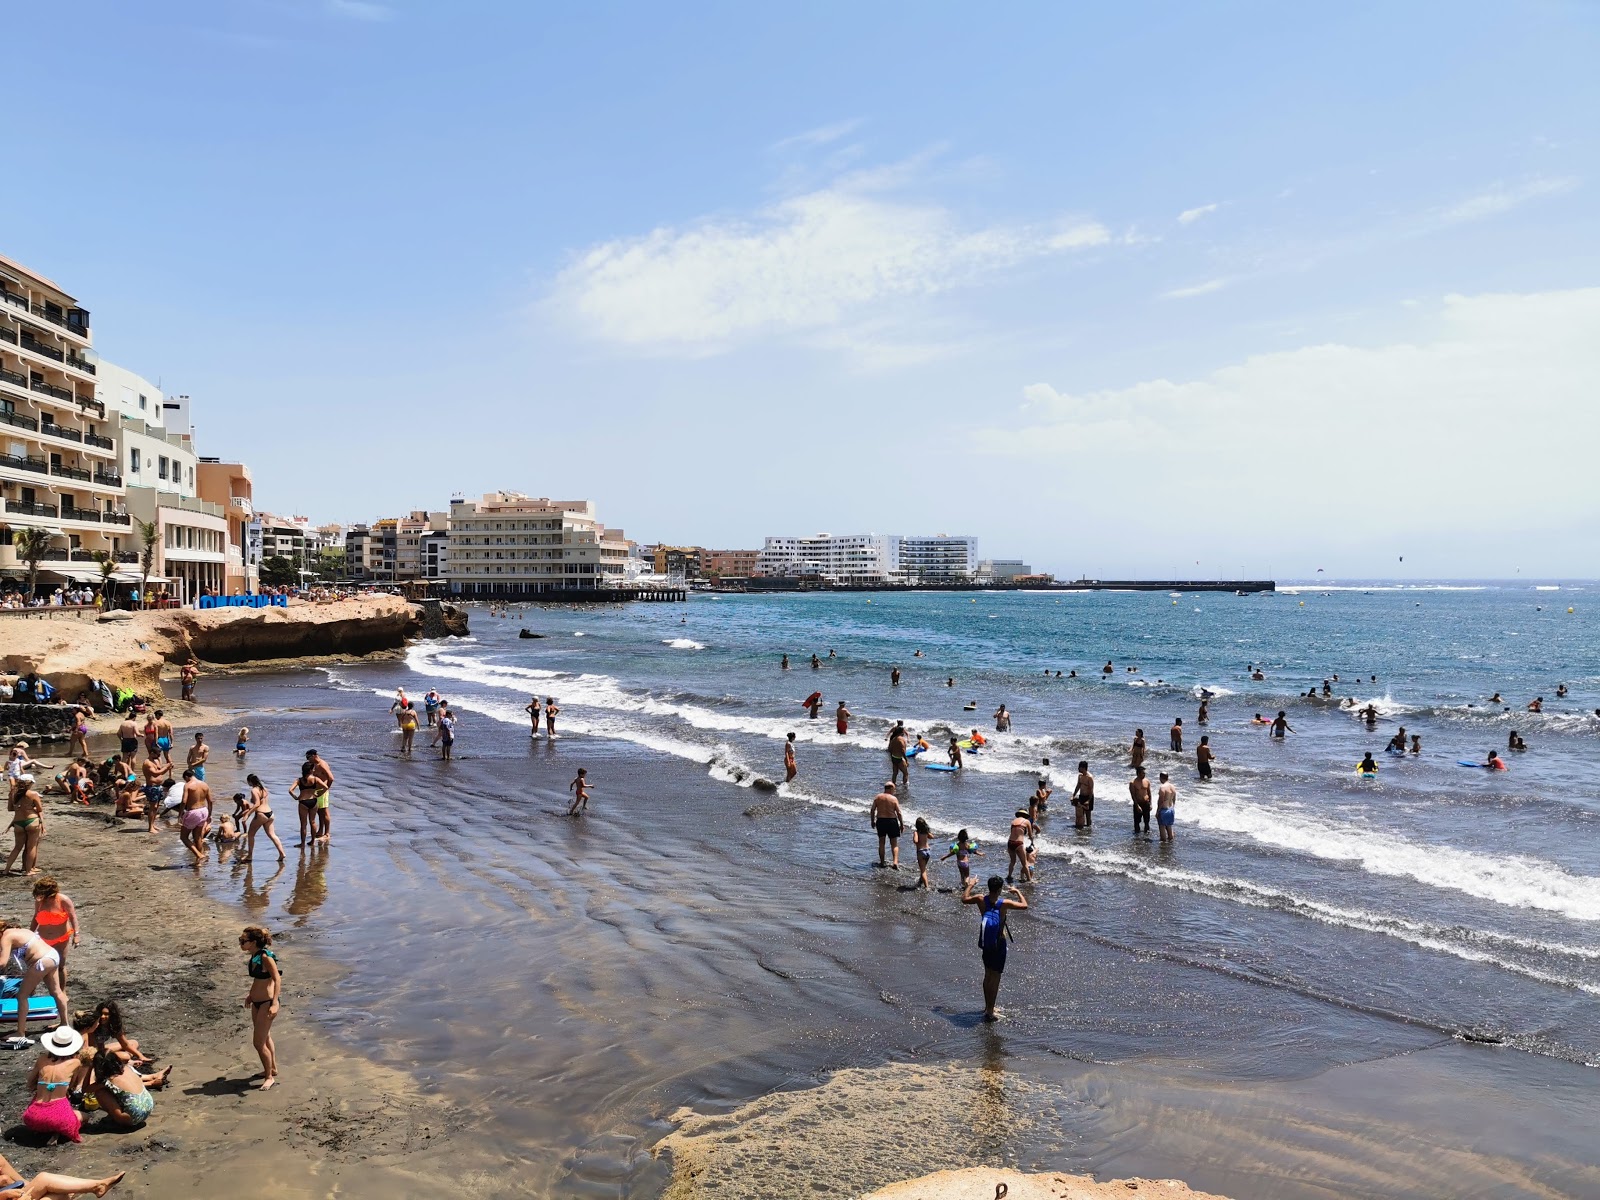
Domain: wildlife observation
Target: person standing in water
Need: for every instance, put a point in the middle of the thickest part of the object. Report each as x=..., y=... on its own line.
x=887, y=820
x=550, y=714
x=993, y=934
x=789, y=767
x=1039, y=802
x=447, y=735
x=1017, y=839
x=1280, y=726
x=324, y=775
x=922, y=839
x=1177, y=735
x=1139, y=790
x=1166, y=807
x=535, y=712
x=1203, y=757
x=258, y=814
x=1002, y=720
x=1137, y=754
x=960, y=850
x=894, y=676
x=1083, y=798
x=785, y=665
x=841, y=719
x=899, y=764
x=1203, y=717
x=408, y=728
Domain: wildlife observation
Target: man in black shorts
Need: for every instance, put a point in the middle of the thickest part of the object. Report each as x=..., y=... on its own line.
x=993, y=934
x=886, y=819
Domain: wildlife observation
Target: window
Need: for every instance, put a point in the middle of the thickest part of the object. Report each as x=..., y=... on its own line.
x=133, y=460
x=141, y=403
x=161, y=466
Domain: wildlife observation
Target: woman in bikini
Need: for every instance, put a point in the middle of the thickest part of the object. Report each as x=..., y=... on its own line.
x=258, y=812
x=40, y=967
x=50, y=1113
x=55, y=919
x=79, y=746
x=265, y=984
x=307, y=790
x=47, y=1185
x=122, y=1091
x=27, y=825
x=105, y=1031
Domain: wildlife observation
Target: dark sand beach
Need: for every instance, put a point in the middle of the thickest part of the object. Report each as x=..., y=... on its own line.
x=702, y=990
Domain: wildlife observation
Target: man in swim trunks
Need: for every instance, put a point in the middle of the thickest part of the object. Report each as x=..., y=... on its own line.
x=1280, y=726
x=196, y=813
x=324, y=775
x=128, y=733
x=1139, y=790
x=899, y=765
x=841, y=718
x=199, y=753
x=887, y=820
x=894, y=676
x=1002, y=720
x=186, y=679
x=1203, y=757
x=155, y=773
x=1166, y=807
x=1177, y=735
x=164, y=736
x=1083, y=798
x=993, y=948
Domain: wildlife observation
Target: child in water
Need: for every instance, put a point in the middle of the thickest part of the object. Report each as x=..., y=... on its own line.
x=579, y=788
x=923, y=840
x=960, y=849
x=242, y=745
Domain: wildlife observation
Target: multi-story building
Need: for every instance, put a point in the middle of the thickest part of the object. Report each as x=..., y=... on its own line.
x=1002, y=570
x=677, y=562
x=230, y=487
x=410, y=531
x=507, y=544
x=938, y=559
x=279, y=537
x=851, y=558
x=363, y=553
x=435, y=551
x=729, y=564
x=58, y=451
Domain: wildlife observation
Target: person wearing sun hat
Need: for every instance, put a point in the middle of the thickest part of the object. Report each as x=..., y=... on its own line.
x=50, y=1112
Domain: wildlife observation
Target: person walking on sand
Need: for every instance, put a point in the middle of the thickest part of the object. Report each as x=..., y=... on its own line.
x=1166, y=807
x=306, y=791
x=1083, y=798
x=199, y=755
x=922, y=839
x=258, y=813
x=55, y=919
x=324, y=775
x=1177, y=735
x=841, y=719
x=579, y=788
x=887, y=819
x=447, y=734
x=408, y=728
x=790, y=769
x=196, y=814
x=41, y=971
x=27, y=827
x=1139, y=790
x=1203, y=756
x=266, y=987
x=899, y=745
x=993, y=934
x=961, y=850
x=535, y=711
x=550, y=711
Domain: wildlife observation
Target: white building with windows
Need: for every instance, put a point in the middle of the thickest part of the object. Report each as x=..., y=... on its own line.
x=869, y=558
x=938, y=559
x=507, y=544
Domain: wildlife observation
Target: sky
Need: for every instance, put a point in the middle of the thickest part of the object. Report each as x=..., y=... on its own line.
x=1122, y=289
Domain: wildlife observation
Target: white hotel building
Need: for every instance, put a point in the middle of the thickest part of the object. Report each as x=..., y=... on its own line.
x=868, y=558
x=510, y=545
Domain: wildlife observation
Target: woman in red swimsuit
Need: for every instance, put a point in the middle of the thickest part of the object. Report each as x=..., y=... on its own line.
x=55, y=919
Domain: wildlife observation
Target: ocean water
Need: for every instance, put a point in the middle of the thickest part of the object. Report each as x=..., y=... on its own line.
x=707, y=933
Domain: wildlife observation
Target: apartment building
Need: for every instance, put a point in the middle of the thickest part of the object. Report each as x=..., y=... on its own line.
x=272, y=536
x=850, y=558
x=1003, y=570
x=230, y=486
x=506, y=544
x=58, y=452
x=363, y=553
x=410, y=531
x=729, y=564
x=938, y=559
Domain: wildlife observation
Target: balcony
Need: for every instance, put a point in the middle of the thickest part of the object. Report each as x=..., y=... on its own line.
x=14, y=377
x=18, y=463
x=19, y=421
x=11, y=297
x=94, y=439
x=35, y=346
x=68, y=513
x=29, y=509
x=84, y=556
x=107, y=479
x=53, y=555
x=66, y=472
x=111, y=518
x=125, y=556
x=62, y=318
x=61, y=431
x=50, y=389
x=81, y=364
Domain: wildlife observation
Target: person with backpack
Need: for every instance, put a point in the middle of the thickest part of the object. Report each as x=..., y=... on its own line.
x=993, y=934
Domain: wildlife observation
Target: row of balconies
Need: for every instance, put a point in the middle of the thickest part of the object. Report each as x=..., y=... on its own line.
x=48, y=428
x=40, y=466
x=73, y=320
x=26, y=341
x=66, y=512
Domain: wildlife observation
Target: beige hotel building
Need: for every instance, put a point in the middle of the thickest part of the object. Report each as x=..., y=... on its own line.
x=510, y=545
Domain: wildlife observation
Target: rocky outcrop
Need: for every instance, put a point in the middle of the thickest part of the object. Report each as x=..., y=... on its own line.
x=129, y=649
x=442, y=620
x=36, y=722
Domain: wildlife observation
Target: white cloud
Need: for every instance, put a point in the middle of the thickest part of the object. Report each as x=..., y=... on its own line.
x=1190, y=215
x=825, y=261
x=359, y=10
x=820, y=136
x=1501, y=199
x=1198, y=289
x=1469, y=428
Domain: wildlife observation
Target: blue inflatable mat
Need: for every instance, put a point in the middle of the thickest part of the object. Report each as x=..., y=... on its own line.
x=41, y=1007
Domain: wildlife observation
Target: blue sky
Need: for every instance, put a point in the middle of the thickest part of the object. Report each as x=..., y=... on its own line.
x=1121, y=289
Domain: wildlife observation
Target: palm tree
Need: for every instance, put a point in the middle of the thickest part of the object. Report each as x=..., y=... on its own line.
x=149, y=535
x=30, y=546
x=108, y=568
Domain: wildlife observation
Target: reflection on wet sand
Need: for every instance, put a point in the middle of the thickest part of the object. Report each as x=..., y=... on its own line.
x=310, y=883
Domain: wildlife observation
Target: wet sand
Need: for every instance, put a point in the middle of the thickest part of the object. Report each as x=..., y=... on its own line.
x=701, y=990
